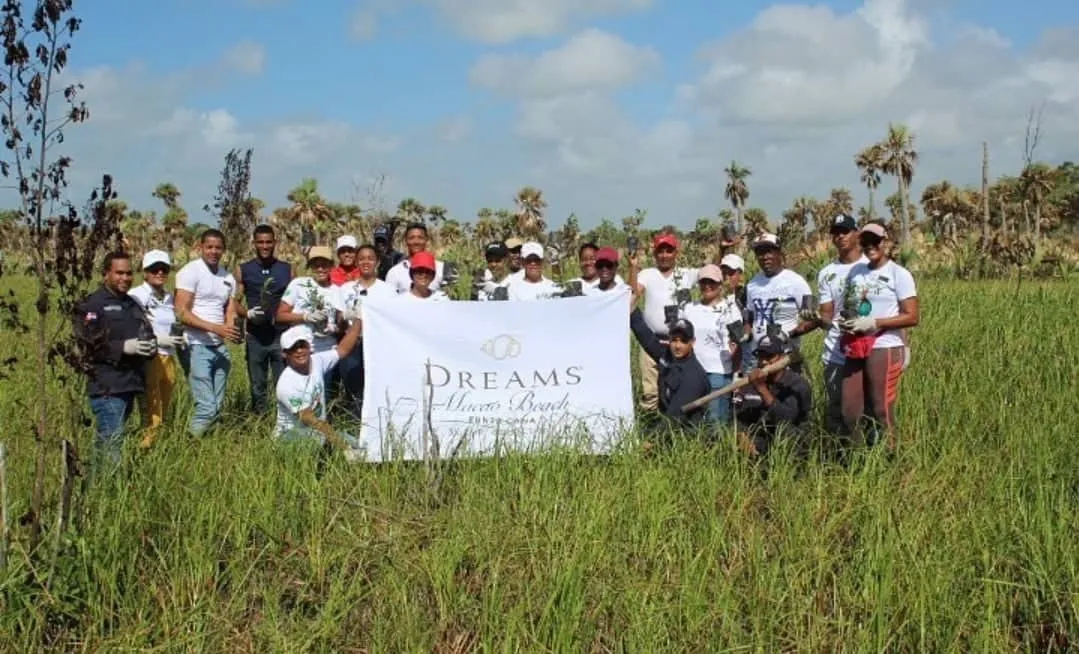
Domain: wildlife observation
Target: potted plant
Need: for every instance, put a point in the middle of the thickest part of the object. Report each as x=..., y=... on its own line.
x=316, y=302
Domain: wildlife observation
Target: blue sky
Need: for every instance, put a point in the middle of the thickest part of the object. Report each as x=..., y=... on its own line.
x=607, y=105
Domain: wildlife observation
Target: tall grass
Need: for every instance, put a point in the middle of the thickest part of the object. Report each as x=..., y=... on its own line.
x=966, y=541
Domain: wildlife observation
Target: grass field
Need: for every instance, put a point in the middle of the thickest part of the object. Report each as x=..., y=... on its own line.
x=966, y=542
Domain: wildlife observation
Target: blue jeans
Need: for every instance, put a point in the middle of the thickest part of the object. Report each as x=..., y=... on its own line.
x=210, y=365
x=264, y=366
x=719, y=409
x=110, y=414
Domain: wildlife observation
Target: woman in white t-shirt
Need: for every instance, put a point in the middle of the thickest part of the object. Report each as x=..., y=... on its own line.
x=160, y=308
x=422, y=270
x=314, y=300
x=885, y=302
x=711, y=317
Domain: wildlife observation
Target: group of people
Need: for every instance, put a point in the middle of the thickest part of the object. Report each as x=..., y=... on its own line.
x=700, y=330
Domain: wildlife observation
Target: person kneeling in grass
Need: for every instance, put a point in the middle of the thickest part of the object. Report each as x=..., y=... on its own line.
x=774, y=405
x=301, y=390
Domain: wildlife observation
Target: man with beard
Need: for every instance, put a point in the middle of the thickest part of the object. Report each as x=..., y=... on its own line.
x=831, y=291
x=262, y=282
x=774, y=297
x=416, y=240
x=116, y=335
x=206, y=306
x=387, y=256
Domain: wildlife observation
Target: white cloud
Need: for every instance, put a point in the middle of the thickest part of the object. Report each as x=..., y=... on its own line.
x=246, y=57
x=591, y=60
x=504, y=21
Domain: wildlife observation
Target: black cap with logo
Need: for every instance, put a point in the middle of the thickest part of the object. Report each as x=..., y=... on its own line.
x=496, y=250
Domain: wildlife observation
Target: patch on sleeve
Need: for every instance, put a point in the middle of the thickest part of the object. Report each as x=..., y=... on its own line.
x=90, y=316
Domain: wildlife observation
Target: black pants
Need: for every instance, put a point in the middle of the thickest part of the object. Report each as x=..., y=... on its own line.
x=264, y=366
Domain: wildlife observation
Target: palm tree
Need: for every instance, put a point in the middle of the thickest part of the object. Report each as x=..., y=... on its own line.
x=174, y=222
x=486, y=229
x=756, y=220
x=899, y=160
x=737, y=191
x=309, y=210
x=1037, y=180
x=436, y=214
x=869, y=162
x=411, y=211
x=530, y=206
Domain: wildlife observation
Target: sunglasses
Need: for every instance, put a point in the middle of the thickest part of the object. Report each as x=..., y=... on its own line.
x=870, y=240
x=158, y=270
x=605, y=264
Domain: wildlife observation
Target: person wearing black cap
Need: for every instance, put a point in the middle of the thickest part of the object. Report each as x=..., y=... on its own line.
x=681, y=377
x=494, y=274
x=387, y=256
x=773, y=405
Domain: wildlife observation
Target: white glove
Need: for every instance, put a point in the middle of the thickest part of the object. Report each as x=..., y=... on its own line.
x=859, y=325
x=139, y=348
x=254, y=313
x=352, y=315
x=171, y=341
x=314, y=317
x=809, y=316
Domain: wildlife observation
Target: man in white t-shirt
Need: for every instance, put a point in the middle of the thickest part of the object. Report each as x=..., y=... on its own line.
x=301, y=389
x=494, y=274
x=532, y=285
x=831, y=294
x=206, y=306
x=774, y=298
x=416, y=240
x=665, y=285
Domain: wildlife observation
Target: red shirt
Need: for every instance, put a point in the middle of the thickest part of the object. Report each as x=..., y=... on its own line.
x=339, y=275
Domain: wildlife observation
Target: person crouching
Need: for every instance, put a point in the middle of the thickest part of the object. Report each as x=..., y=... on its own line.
x=681, y=378
x=774, y=405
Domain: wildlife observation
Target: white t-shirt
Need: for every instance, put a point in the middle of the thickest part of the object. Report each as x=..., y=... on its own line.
x=297, y=392
x=885, y=288
x=775, y=300
x=212, y=292
x=831, y=285
x=521, y=289
x=298, y=296
x=659, y=291
x=594, y=289
x=618, y=281
x=351, y=295
x=713, y=346
x=160, y=311
x=398, y=277
x=435, y=296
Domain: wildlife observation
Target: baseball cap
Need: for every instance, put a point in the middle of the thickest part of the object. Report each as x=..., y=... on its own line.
x=607, y=254
x=683, y=328
x=770, y=345
x=495, y=250
x=875, y=228
x=765, y=241
x=347, y=241
x=845, y=222
x=296, y=334
x=382, y=233
x=513, y=243
x=155, y=257
x=711, y=272
x=531, y=249
x=422, y=260
x=319, y=252
x=733, y=261
x=665, y=239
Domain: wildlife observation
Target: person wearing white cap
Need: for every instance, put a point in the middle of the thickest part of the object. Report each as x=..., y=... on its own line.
x=532, y=285
x=346, y=269
x=713, y=317
x=733, y=268
x=301, y=389
x=774, y=297
x=160, y=309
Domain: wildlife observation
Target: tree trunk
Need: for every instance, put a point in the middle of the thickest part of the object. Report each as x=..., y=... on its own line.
x=1037, y=222
x=985, y=191
x=872, y=203
x=738, y=218
x=1026, y=217
x=37, y=495
x=904, y=212
x=1003, y=218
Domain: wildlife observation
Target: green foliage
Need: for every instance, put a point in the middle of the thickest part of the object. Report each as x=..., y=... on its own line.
x=965, y=542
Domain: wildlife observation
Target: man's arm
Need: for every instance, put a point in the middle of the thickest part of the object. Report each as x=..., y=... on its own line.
x=184, y=301
x=349, y=340
x=309, y=419
x=240, y=309
x=91, y=333
x=645, y=336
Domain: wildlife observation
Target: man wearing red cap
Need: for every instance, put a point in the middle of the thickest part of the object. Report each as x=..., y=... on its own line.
x=607, y=278
x=665, y=285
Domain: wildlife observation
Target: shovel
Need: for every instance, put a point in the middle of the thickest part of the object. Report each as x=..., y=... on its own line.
x=783, y=362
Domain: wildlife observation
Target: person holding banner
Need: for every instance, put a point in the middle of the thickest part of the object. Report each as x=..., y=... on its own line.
x=532, y=285
x=351, y=296
x=422, y=271
x=301, y=389
x=681, y=378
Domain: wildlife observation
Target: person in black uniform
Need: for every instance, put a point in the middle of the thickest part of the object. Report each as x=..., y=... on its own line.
x=776, y=405
x=681, y=377
x=118, y=341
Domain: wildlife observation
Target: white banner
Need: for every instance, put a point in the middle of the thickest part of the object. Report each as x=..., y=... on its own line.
x=495, y=376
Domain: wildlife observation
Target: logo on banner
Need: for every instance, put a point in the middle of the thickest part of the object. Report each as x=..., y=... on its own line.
x=502, y=347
